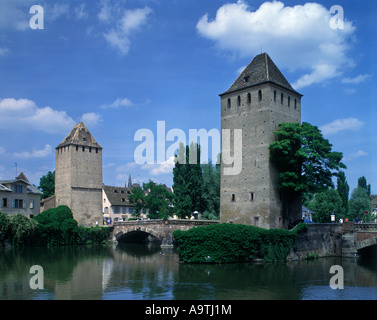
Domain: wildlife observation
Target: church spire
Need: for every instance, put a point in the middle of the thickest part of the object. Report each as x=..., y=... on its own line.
x=129, y=182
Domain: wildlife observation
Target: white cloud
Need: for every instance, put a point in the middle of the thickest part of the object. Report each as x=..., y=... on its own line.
x=341, y=125
x=35, y=153
x=56, y=11
x=297, y=38
x=2, y=150
x=118, y=103
x=91, y=118
x=163, y=168
x=4, y=51
x=356, y=155
x=356, y=80
x=80, y=11
x=14, y=14
x=24, y=114
x=131, y=20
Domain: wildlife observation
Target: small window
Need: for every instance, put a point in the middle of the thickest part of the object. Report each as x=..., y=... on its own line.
x=260, y=95
x=274, y=95
x=251, y=196
x=90, y=149
x=295, y=103
x=233, y=197
x=229, y=103
x=246, y=79
x=31, y=204
x=289, y=101
x=83, y=149
x=115, y=191
x=238, y=101
x=123, y=199
x=77, y=148
x=18, y=189
x=256, y=221
x=282, y=98
x=96, y=150
x=249, y=98
x=5, y=202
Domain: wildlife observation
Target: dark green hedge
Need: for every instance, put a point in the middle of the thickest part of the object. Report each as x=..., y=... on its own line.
x=54, y=227
x=226, y=243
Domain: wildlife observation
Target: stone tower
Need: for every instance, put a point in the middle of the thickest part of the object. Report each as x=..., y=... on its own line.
x=257, y=102
x=78, y=176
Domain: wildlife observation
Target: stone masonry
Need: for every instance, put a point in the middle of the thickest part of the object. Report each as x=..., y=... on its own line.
x=257, y=102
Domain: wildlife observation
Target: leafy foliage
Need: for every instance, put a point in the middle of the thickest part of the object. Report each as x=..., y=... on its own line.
x=211, y=191
x=47, y=185
x=187, y=180
x=324, y=204
x=21, y=230
x=227, y=243
x=343, y=191
x=359, y=202
x=158, y=201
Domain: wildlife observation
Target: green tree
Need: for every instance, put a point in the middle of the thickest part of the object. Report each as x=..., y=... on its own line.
x=158, y=201
x=21, y=229
x=187, y=180
x=325, y=203
x=57, y=226
x=360, y=202
x=211, y=191
x=137, y=198
x=362, y=183
x=47, y=185
x=305, y=162
x=343, y=190
x=4, y=227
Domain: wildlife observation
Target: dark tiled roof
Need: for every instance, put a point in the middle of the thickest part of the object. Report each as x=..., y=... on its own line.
x=79, y=135
x=21, y=178
x=118, y=196
x=260, y=70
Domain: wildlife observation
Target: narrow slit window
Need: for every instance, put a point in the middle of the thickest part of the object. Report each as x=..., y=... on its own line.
x=282, y=98
x=233, y=197
x=249, y=98
x=260, y=95
x=251, y=196
x=274, y=95
x=238, y=101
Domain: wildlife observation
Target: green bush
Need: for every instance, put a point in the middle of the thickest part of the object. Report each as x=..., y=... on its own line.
x=226, y=243
x=91, y=235
x=21, y=230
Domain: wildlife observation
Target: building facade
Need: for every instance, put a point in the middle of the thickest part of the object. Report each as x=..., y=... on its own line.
x=19, y=196
x=256, y=103
x=78, y=176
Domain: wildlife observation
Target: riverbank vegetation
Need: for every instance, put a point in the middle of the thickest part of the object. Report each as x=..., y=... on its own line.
x=54, y=227
x=229, y=243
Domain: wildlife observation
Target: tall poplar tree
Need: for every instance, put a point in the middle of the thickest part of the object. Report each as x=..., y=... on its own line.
x=187, y=180
x=343, y=191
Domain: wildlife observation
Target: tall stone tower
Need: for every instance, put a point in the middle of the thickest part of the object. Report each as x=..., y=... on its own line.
x=78, y=176
x=257, y=102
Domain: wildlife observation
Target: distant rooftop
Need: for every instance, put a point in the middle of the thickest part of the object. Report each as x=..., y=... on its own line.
x=260, y=70
x=79, y=135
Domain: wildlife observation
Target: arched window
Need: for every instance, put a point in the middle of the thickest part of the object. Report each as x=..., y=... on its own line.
x=249, y=98
x=282, y=98
x=228, y=103
x=260, y=95
x=238, y=101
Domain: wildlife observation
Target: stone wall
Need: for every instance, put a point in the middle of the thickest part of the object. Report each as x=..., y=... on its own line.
x=320, y=240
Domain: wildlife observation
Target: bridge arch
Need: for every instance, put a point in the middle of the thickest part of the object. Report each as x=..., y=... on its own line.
x=137, y=235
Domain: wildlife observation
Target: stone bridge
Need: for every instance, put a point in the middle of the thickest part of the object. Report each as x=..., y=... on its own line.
x=335, y=239
x=158, y=229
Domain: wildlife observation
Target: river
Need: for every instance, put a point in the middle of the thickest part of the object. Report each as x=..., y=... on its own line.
x=141, y=272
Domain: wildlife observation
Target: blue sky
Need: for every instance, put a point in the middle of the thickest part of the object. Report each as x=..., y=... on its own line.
x=121, y=66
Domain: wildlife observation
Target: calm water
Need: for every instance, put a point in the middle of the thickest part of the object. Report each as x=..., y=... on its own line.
x=141, y=272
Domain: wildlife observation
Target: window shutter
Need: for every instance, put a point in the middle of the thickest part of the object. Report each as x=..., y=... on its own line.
x=13, y=203
x=23, y=204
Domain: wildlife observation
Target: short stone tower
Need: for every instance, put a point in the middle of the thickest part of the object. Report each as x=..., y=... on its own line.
x=257, y=102
x=78, y=176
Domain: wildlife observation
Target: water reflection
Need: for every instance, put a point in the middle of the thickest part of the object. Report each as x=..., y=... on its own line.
x=132, y=271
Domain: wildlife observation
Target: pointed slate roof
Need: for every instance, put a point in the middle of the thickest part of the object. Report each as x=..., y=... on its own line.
x=260, y=70
x=81, y=136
